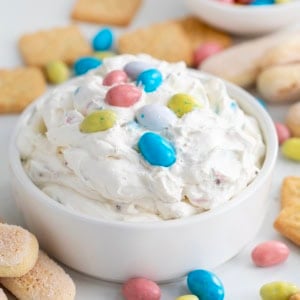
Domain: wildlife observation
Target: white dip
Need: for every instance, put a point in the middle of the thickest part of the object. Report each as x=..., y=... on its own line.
x=219, y=149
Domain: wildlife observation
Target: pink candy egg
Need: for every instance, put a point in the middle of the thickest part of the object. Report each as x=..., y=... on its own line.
x=141, y=289
x=123, y=95
x=283, y=132
x=116, y=76
x=227, y=1
x=270, y=253
x=205, y=50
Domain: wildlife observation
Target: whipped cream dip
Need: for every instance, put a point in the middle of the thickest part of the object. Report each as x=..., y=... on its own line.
x=219, y=149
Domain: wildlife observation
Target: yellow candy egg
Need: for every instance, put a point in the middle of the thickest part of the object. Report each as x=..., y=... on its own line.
x=57, y=72
x=291, y=149
x=278, y=290
x=98, y=121
x=182, y=104
x=187, y=297
x=104, y=54
x=282, y=1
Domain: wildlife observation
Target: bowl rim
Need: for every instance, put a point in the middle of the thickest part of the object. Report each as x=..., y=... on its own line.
x=266, y=126
x=249, y=9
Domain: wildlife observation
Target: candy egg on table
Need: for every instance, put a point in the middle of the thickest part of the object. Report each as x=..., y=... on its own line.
x=270, y=253
x=150, y=79
x=155, y=116
x=103, y=40
x=205, y=285
x=291, y=149
x=98, y=121
x=123, y=95
x=182, y=104
x=84, y=64
x=278, y=290
x=187, y=297
x=103, y=54
x=205, y=50
x=282, y=131
x=57, y=71
x=141, y=289
x=156, y=150
x=115, y=76
x=135, y=68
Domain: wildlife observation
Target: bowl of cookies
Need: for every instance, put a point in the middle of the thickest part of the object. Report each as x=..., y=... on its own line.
x=143, y=168
x=237, y=16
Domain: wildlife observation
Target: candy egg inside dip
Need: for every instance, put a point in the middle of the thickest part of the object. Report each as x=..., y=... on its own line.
x=192, y=161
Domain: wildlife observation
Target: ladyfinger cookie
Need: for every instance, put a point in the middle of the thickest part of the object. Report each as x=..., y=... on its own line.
x=46, y=281
x=18, y=250
x=2, y=295
x=242, y=63
x=280, y=83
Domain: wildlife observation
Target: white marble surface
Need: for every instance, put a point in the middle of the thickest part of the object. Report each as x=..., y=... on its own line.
x=241, y=279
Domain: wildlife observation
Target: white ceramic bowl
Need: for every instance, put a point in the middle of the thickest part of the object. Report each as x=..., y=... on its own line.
x=246, y=19
x=161, y=251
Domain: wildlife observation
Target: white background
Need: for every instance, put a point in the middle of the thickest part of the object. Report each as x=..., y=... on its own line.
x=242, y=280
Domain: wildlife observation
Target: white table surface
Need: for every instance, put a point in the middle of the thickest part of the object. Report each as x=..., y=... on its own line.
x=241, y=279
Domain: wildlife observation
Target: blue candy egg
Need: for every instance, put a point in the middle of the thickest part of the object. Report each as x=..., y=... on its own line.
x=262, y=2
x=155, y=116
x=205, y=285
x=84, y=64
x=150, y=79
x=262, y=103
x=103, y=40
x=135, y=68
x=156, y=150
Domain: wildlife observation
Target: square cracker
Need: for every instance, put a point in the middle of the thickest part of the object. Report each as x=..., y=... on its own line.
x=113, y=12
x=19, y=87
x=165, y=41
x=65, y=43
x=199, y=33
x=290, y=191
x=288, y=222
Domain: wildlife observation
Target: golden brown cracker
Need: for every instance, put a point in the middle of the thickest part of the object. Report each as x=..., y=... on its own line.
x=290, y=191
x=65, y=43
x=295, y=296
x=199, y=33
x=165, y=41
x=19, y=87
x=288, y=222
x=113, y=12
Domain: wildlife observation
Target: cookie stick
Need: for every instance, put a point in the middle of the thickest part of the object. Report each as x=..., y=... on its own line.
x=242, y=63
x=46, y=281
x=18, y=250
x=2, y=295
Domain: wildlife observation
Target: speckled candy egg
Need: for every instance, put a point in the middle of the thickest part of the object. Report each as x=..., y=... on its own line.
x=291, y=149
x=135, y=68
x=103, y=40
x=150, y=80
x=155, y=116
x=98, y=121
x=84, y=64
x=156, y=150
x=141, y=289
x=123, y=95
x=270, y=253
x=278, y=290
x=205, y=285
x=114, y=77
x=187, y=297
x=181, y=104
